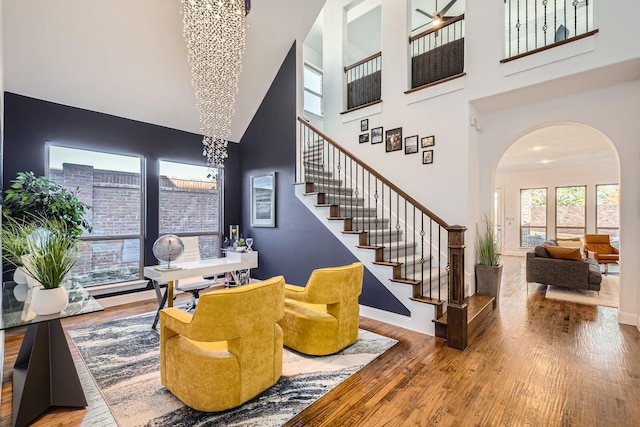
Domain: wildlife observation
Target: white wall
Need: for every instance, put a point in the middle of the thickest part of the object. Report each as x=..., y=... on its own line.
x=512, y=182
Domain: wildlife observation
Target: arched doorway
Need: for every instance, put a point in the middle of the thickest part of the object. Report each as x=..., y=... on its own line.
x=558, y=181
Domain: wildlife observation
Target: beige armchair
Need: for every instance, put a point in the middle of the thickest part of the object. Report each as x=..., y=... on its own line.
x=323, y=317
x=598, y=247
x=228, y=351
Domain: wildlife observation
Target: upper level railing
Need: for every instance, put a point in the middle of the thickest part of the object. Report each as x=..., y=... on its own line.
x=533, y=25
x=437, y=53
x=364, y=81
x=422, y=247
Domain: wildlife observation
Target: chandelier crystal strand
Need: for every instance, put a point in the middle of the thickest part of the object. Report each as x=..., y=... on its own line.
x=215, y=33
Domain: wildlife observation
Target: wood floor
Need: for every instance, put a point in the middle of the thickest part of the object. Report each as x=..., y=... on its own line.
x=534, y=362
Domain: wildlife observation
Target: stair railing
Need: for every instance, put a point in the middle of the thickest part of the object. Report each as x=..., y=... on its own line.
x=423, y=249
x=363, y=80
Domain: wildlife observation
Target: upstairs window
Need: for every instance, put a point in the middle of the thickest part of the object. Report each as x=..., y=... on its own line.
x=313, y=90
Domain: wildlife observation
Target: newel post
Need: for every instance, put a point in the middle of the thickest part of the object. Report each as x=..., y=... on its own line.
x=457, y=308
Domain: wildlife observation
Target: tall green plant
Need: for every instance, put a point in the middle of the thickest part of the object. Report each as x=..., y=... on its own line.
x=50, y=248
x=30, y=196
x=487, y=247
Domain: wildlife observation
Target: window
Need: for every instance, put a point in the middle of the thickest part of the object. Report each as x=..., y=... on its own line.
x=533, y=217
x=112, y=185
x=608, y=212
x=190, y=205
x=570, y=212
x=312, y=90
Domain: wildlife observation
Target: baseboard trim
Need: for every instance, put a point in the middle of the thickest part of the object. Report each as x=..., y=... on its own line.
x=629, y=319
x=385, y=316
x=127, y=298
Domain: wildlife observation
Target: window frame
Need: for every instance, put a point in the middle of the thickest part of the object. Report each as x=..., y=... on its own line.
x=584, y=228
x=546, y=216
x=109, y=237
x=320, y=73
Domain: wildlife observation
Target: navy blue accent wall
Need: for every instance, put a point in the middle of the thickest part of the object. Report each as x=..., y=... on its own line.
x=30, y=123
x=299, y=243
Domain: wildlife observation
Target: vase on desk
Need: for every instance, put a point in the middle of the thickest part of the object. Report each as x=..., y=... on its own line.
x=49, y=301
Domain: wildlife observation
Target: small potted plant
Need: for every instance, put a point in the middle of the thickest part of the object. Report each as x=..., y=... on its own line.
x=488, y=252
x=50, y=255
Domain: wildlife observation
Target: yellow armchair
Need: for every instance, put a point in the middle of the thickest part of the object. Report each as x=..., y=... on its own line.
x=228, y=351
x=323, y=317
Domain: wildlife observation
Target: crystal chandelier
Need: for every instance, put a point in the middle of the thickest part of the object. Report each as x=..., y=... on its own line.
x=215, y=34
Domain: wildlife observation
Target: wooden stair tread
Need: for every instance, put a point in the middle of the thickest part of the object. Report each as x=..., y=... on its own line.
x=337, y=218
x=431, y=301
x=407, y=281
x=387, y=263
x=324, y=205
x=476, y=304
x=369, y=247
x=353, y=232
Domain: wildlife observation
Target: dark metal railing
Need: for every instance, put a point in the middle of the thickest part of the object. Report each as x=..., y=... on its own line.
x=404, y=232
x=537, y=24
x=438, y=53
x=364, y=82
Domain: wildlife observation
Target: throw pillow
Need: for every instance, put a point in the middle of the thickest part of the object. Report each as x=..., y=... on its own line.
x=541, y=252
x=560, y=252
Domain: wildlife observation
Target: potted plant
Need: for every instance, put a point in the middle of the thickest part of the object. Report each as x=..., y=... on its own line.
x=50, y=255
x=488, y=268
x=31, y=197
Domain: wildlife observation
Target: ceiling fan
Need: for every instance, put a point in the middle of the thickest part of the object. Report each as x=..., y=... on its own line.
x=439, y=16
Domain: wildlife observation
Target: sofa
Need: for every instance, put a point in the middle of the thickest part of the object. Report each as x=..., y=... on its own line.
x=563, y=267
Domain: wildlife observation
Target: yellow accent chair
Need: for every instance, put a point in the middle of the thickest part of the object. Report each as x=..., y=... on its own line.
x=323, y=317
x=228, y=351
x=598, y=247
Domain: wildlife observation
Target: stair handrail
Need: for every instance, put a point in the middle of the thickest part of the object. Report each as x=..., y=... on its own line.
x=373, y=172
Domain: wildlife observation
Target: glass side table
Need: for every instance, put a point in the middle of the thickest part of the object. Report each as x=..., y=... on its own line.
x=44, y=374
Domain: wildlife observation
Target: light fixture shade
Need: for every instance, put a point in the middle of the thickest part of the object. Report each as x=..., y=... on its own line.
x=215, y=32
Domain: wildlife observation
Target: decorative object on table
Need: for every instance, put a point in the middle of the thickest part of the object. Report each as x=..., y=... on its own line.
x=488, y=269
x=427, y=141
x=376, y=135
x=50, y=256
x=364, y=137
x=249, y=241
x=263, y=200
x=167, y=248
x=234, y=234
x=427, y=157
x=240, y=245
x=411, y=144
x=215, y=50
x=393, y=139
x=364, y=125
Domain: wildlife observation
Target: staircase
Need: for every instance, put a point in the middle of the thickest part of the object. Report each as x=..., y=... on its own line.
x=414, y=253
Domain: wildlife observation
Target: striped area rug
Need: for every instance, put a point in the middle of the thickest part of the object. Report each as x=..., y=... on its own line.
x=122, y=374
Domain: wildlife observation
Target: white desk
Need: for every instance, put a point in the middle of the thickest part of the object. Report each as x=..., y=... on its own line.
x=233, y=261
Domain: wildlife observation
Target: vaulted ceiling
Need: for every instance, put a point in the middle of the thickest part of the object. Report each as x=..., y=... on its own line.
x=128, y=58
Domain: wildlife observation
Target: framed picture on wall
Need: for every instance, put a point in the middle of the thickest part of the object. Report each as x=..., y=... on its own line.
x=364, y=137
x=364, y=125
x=411, y=144
x=427, y=157
x=376, y=135
x=263, y=200
x=394, y=139
x=428, y=141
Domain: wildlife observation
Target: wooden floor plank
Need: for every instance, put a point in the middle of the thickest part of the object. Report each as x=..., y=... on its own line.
x=532, y=362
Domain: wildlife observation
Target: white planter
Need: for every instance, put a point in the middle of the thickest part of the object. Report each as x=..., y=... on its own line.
x=49, y=301
x=19, y=276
